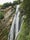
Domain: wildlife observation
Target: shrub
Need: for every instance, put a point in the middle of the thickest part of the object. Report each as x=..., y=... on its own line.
x=1, y=15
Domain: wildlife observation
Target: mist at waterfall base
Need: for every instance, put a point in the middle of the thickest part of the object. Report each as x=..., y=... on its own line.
x=15, y=25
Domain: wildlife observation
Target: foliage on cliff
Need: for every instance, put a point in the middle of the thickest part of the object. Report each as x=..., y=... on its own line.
x=25, y=30
x=1, y=15
x=5, y=5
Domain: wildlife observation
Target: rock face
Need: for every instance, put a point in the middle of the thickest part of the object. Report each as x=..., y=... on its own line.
x=15, y=25
x=5, y=24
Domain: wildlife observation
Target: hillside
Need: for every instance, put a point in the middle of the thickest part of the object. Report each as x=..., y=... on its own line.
x=6, y=22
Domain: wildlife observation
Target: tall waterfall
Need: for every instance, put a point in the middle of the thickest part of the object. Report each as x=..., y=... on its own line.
x=15, y=25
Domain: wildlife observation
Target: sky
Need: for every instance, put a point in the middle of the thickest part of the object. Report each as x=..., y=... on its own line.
x=4, y=1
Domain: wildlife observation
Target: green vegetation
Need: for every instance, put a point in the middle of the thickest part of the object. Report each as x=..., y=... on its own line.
x=5, y=5
x=25, y=30
x=1, y=15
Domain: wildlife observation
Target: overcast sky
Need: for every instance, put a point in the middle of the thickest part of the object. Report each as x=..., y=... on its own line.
x=4, y=1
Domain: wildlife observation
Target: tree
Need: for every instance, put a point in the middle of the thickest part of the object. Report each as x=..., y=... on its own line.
x=5, y=5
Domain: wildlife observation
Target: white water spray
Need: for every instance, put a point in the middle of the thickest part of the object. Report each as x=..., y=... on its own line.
x=15, y=25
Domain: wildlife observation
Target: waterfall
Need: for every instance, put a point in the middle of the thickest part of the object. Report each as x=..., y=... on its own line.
x=15, y=25
x=17, y=22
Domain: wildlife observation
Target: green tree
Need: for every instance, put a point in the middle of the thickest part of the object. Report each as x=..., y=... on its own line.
x=5, y=5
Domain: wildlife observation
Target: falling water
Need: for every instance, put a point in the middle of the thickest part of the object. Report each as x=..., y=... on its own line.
x=17, y=22
x=15, y=25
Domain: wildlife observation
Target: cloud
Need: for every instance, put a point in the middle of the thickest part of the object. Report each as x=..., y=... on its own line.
x=4, y=1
